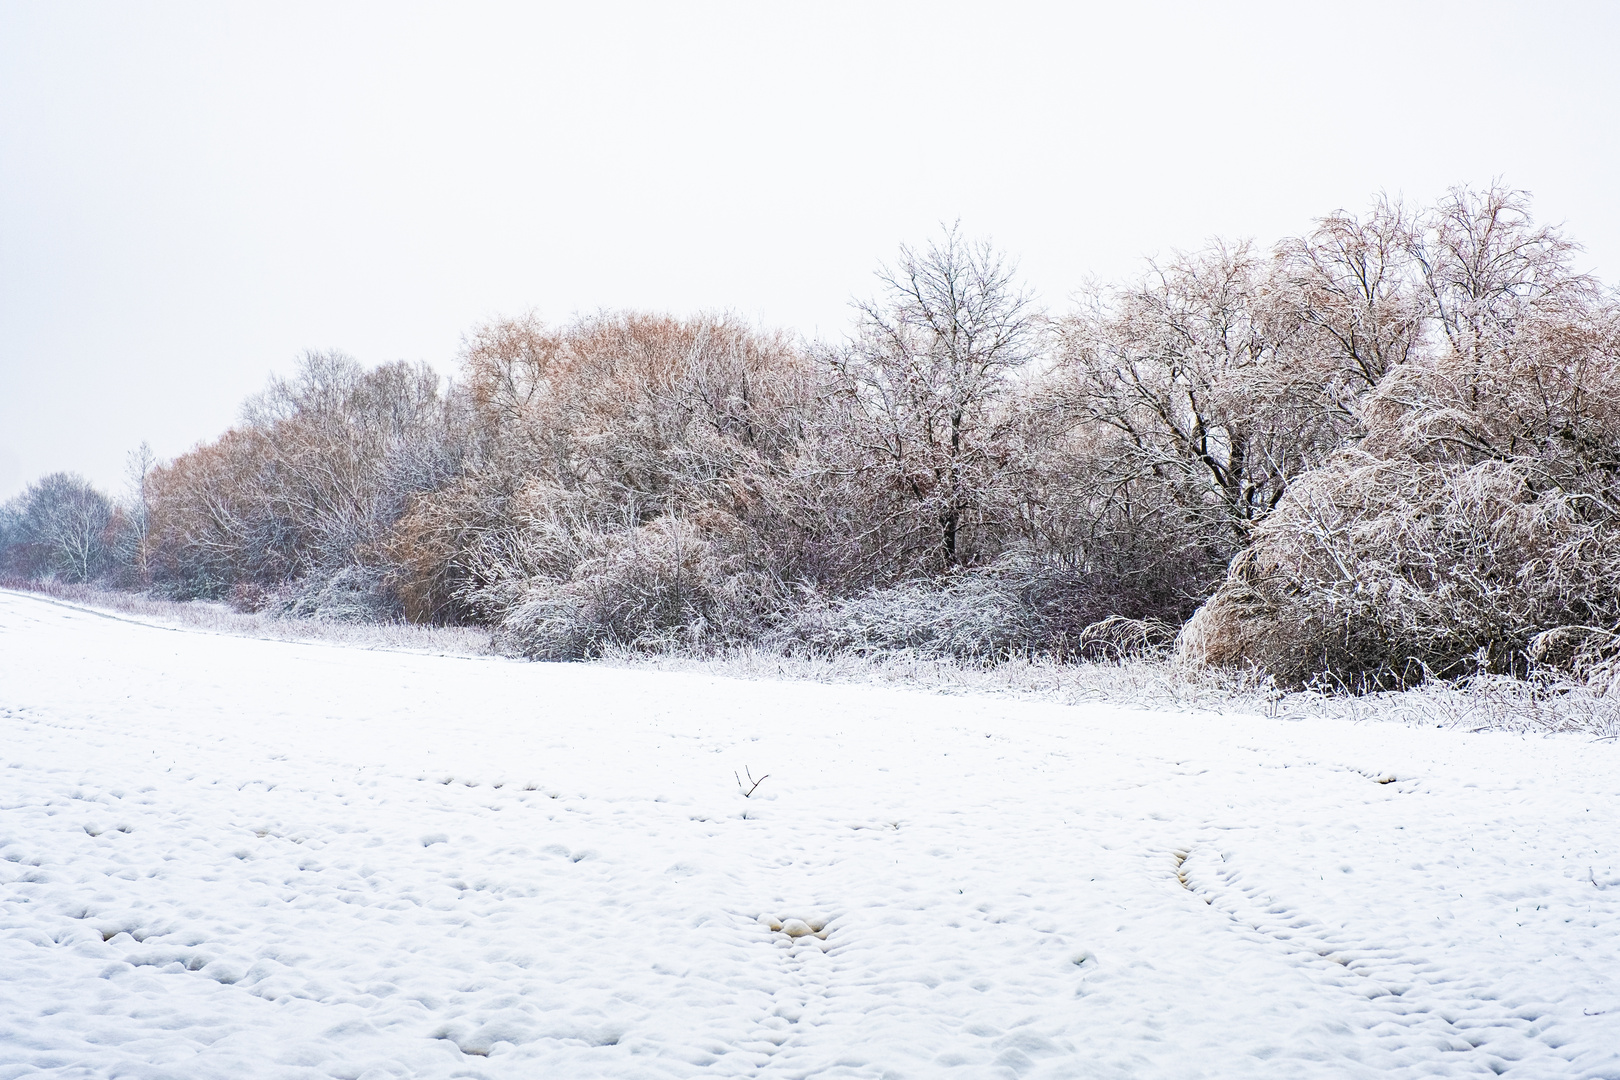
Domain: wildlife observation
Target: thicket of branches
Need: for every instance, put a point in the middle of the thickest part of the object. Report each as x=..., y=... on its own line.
x=1474, y=527
x=60, y=528
x=1383, y=450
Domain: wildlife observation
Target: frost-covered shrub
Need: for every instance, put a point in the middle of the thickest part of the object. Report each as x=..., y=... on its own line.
x=669, y=583
x=351, y=594
x=1477, y=526
x=1117, y=637
x=1380, y=573
x=1017, y=607
x=970, y=616
x=1590, y=653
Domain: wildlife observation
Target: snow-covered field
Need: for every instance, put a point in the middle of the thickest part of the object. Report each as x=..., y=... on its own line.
x=223, y=857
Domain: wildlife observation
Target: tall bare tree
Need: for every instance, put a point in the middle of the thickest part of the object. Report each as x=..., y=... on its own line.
x=1487, y=265
x=58, y=527
x=932, y=359
x=1353, y=288
x=1192, y=367
x=135, y=517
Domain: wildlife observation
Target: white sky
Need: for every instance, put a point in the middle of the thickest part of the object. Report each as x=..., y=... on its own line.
x=192, y=194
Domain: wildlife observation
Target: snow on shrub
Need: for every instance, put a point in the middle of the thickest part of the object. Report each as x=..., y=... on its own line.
x=1477, y=526
x=353, y=594
x=671, y=582
x=1381, y=573
x=1017, y=607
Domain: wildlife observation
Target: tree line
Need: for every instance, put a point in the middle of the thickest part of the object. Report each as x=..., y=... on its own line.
x=1384, y=450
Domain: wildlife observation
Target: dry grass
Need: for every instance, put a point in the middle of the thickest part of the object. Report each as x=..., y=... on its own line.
x=222, y=619
x=1546, y=704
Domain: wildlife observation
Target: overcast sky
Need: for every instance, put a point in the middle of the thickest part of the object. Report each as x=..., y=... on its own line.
x=193, y=194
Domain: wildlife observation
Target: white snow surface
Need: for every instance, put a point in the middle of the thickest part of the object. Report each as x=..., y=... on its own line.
x=227, y=857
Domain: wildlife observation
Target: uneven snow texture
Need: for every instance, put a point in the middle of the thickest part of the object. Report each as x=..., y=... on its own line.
x=222, y=857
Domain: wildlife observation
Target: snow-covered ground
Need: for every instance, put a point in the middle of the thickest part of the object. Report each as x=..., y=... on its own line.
x=223, y=857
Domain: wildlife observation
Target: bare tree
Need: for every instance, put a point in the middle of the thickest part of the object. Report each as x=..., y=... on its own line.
x=13, y=541
x=1227, y=375
x=1477, y=519
x=134, y=512
x=307, y=485
x=932, y=359
x=1196, y=372
x=59, y=527
x=1352, y=285
x=1486, y=265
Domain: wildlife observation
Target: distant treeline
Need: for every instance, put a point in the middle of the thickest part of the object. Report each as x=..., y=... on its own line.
x=1385, y=450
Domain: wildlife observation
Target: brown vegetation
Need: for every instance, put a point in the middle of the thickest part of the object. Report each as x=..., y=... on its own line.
x=1380, y=452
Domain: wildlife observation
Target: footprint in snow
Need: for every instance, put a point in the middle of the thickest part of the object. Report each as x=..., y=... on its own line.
x=798, y=931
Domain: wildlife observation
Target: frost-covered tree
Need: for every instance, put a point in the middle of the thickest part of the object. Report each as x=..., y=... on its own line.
x=58, y=528
x=620, y=457
x=1475, y=524
x=315, y=474
x=924, y=381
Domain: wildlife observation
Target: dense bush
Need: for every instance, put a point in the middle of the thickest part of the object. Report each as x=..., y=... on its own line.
x=1476, y=526
x=60, y=528
x=353, y=594
x=1384, y=450
x=671, y=583
x=615, y=440
x=1015, y=608
x=1382, y=573
x=306, y=487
